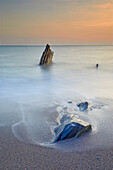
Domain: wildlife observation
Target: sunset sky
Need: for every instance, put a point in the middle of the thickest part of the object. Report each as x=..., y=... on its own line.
x=56, y=22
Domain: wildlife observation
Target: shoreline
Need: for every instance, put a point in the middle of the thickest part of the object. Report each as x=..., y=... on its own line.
x=15, y=154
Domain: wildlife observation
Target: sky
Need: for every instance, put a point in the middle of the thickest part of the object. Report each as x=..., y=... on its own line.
x=37, y=22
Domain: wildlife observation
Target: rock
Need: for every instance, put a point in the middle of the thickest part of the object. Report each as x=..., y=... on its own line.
x=69, y=101
x=64, y=118
x=46, y=56
x=97, y=65
x=70, y=126
x=72, y=129
x=83, y=106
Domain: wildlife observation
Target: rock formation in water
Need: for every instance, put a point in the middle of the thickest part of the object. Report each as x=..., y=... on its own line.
x=97, y=65
x=83, y=106
x=72, y=129
x=46, y=56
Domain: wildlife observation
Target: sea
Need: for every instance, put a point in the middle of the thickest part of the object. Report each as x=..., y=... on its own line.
x=33, y=98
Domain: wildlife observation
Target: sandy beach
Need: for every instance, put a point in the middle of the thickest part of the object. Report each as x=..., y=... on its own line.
x=15, y=155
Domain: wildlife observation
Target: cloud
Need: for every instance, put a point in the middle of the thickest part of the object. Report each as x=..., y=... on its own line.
x=56, y=20
x=104, y=6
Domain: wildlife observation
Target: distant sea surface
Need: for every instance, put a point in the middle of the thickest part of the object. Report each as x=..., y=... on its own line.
x=30, y=94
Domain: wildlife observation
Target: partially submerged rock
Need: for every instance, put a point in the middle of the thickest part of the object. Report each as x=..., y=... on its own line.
x=73, y=127
x=97, y=65
x=46, y=56
x=83, y=106
x=69, y=101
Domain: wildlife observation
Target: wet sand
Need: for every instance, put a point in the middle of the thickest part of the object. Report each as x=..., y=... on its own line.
x=15, y=155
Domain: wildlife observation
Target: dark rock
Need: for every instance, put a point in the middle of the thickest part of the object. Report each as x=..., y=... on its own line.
x=98, y=157
x=69, y=102
x=83, y=106
x=97, y=65
x=72, y=129
x=46, y=56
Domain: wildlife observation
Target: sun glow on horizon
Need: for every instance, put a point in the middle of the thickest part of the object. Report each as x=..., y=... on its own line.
x=32, y=22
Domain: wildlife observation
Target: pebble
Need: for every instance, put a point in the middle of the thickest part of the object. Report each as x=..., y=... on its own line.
x=69, y=101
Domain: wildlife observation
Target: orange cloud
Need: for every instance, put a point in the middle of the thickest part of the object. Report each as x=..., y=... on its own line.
x=90, y=23
x=104, y=6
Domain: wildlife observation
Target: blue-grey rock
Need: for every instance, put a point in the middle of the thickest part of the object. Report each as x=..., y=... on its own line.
x=83, y=106
x=72, y=129
x=69, y=102
x=64, y=118
x=70, y=126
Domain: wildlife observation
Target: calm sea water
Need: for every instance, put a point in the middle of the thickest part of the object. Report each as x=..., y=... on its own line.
x=30, y=94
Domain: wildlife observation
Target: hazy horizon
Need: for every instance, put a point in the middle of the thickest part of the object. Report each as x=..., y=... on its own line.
x=57, y=44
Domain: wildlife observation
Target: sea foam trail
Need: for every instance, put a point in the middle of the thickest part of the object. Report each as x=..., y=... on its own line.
x=17, y=128
x=35, y=125
x=40, y=129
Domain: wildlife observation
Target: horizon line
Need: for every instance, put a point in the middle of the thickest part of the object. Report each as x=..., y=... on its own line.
x=41, y=45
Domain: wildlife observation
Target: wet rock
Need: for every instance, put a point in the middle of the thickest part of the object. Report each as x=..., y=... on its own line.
x=70, y=127
x=64, y=118
x=83, y=106
x=97, y=65
x=69, y=102
x=98, y=157
x=46, y=56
